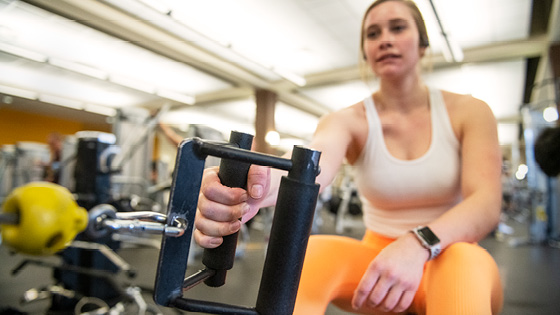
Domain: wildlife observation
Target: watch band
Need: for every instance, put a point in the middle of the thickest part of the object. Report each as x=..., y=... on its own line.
x=428, y=240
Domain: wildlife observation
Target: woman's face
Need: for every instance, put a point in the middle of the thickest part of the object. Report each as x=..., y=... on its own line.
x=391, y=41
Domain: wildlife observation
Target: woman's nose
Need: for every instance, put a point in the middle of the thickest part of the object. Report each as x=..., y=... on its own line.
x=385, y=40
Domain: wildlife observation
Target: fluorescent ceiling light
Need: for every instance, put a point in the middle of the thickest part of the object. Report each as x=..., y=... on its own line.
x=451, y=51
x=79, y=68
x=174, y=96
x=172, y=23
x=133, y=84
x=296, y=79
x=18, y=92
x=61, y=101
x=157, y=5
x=102, y=110
x=24, y=53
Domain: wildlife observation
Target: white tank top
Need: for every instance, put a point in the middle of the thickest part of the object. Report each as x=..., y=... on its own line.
x=398, y=195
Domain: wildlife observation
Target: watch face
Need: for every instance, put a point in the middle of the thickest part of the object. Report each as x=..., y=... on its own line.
x=428, y=236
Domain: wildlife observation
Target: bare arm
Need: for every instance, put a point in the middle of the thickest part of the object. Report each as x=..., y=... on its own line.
x=395, y=274
x=478, y=213
x=220, y=207
x=170, y=134
x=332, y=138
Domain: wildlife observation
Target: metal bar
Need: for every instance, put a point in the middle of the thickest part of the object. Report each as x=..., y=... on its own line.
x=197, y=278
x=143, y=215
x=9, y=218
x=291, y=228
x=174, y=253
x=140, y=227
x=115, y=259
x=228, y=152
x=191, y=305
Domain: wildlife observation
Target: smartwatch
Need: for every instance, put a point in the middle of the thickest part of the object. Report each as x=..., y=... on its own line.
x=428, y=240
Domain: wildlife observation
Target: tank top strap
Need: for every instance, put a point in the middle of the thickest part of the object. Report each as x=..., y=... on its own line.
x=440, y=117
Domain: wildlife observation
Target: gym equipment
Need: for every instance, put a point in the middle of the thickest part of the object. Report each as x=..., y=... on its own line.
x=547, y=151
x=289, y=234
x=47, y=219
x=92, y=172
x=544, y=223
x=20, y=164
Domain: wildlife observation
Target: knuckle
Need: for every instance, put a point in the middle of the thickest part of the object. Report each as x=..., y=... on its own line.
x=202, y=240
x=391, y=276
x=375, y=299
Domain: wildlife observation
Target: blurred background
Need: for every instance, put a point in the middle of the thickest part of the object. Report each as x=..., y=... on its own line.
x=134, y=77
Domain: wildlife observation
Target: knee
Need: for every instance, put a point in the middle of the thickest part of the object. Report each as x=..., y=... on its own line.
x=467, y=254
x=330, y=244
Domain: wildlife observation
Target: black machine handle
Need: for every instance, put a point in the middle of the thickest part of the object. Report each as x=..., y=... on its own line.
x=291, y=226
x=232, y=173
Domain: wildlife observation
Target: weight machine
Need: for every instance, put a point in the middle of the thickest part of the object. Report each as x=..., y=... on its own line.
x=290, y=230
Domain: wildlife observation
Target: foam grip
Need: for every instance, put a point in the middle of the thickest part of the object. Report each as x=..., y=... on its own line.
x=48, y=219
x=232, y=174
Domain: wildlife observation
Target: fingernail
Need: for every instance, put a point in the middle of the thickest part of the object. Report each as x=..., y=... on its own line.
x=256, y=191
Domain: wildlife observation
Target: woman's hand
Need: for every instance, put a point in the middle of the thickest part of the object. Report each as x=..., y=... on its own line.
x=393, y=277
x=220, y=208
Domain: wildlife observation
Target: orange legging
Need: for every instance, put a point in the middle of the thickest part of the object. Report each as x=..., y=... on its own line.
x=464, y=279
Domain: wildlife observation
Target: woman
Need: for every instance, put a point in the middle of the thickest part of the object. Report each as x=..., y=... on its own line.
x=425, y=158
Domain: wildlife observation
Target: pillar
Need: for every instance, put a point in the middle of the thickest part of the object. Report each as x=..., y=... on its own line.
x=264, y=122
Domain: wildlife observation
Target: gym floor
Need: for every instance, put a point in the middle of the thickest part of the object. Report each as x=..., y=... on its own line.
x=530, y=273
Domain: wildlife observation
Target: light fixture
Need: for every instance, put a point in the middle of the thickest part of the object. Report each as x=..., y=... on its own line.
x=272, y=137
x=132, y=83
x=550, y=114
x=522, y=171
x=23, y=53
x=451, y=51
x=101, y=110
x=157, y=5
x=18, y=92
x=171, y=22
x=175, y=96
x=61, y=101
x=79, y=68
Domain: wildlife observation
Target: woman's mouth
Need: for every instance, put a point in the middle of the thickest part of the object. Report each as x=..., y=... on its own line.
x=387, y=57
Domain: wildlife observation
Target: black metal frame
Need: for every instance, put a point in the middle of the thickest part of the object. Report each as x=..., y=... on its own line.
x=291, y=227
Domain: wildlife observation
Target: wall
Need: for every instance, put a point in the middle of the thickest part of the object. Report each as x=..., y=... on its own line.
x=24, y=126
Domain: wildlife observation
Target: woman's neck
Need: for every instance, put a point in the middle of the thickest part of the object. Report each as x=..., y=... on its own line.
x=402, y=94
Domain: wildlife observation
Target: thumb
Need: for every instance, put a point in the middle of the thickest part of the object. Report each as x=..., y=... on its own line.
x=258, y=181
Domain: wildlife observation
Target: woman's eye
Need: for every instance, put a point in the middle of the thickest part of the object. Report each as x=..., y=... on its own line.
x=398, y=28
x=372, y=34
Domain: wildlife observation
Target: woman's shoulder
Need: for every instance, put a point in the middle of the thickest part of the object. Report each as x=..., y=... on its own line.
x=348, y=126
x=346, y=115
x=464, y=104
x=467, y=112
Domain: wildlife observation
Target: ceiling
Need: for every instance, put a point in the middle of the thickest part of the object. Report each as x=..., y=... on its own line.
x=86, y=58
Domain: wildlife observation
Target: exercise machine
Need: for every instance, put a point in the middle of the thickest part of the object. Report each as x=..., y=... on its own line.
x=290, y=230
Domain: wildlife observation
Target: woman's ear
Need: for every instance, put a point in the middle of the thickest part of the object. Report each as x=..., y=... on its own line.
x=422, y=50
